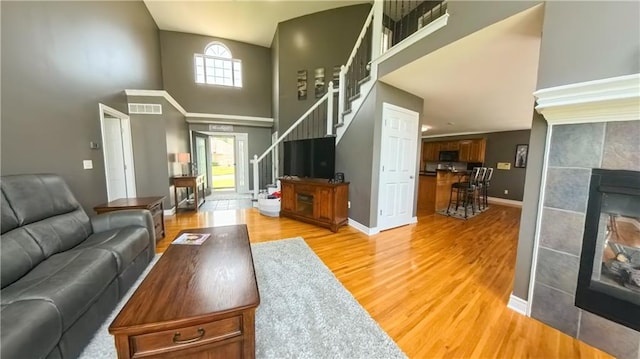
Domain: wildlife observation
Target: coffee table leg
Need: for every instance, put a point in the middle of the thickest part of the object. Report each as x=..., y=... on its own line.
x=249, y=333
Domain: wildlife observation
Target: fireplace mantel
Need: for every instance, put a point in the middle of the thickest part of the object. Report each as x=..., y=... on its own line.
x=612, y=99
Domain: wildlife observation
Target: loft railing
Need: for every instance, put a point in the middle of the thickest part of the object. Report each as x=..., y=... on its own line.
x=402, y=18
x=317, y=121
x=356, y=69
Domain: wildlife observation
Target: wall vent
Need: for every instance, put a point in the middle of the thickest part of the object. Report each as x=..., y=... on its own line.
x=145, y=108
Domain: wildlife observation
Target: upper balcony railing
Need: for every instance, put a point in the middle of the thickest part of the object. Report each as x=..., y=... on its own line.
x=403, y=18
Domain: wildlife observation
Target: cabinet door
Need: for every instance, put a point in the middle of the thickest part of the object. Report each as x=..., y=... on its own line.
x=433, y=149
x=288, y=199
x=465, y=151
x=477, y=150
x=323, y=204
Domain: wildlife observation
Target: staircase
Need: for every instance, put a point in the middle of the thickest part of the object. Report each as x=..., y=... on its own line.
x=339, y=106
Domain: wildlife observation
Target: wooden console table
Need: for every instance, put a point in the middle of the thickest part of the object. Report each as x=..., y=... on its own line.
x=153, y=204
x=193, y=182
x=315, y=201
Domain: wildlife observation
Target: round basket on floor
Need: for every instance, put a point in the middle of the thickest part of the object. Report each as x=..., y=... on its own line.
x=269, y=207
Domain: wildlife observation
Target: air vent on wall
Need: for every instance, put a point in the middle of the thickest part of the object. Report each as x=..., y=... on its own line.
x=145, y=108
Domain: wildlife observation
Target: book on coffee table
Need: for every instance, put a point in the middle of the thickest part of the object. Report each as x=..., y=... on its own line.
x=191, y=238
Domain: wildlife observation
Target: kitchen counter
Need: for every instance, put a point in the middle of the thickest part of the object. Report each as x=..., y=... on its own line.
x=434, y=189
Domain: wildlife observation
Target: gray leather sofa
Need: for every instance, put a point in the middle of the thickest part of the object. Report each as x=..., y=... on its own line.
x=62, y=272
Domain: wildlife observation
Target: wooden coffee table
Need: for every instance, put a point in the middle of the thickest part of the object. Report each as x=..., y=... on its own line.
x=198, y=301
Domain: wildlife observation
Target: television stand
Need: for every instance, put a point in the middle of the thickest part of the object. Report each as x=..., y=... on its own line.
x=315, y=201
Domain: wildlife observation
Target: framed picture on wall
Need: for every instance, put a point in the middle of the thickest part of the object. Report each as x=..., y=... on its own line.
x=302, y=84
x=521, y=156
x=318, y=75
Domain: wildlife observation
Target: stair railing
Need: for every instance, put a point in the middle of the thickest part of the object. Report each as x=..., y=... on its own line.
x=308, y=125
x=357, y=67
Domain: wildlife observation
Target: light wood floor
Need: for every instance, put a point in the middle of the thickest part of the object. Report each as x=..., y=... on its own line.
x=439, y=288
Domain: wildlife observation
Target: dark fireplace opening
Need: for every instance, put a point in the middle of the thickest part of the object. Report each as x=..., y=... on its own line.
x=609, y=276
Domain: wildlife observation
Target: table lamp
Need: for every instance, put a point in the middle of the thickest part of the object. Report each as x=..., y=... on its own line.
x=184, y=158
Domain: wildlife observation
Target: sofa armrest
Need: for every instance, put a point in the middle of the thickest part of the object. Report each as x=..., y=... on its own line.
x=129, y=217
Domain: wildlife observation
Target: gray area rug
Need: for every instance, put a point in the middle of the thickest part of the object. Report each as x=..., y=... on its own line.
x=304, y=311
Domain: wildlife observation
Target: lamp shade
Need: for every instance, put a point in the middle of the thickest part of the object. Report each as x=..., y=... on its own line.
x=184, y=157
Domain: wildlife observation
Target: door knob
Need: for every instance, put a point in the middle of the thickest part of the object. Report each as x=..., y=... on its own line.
x=410, y=177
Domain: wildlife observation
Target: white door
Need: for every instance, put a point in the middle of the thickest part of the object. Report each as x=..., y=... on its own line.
x=118, y=153
x=398, y=166
x=242, y=163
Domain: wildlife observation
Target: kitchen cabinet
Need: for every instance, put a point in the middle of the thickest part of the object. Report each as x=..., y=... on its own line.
x=430, y=151
x=477, y=149
x=471, y=150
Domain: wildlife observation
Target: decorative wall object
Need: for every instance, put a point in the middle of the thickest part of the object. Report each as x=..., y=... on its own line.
x=302, y=84
x=319, y=81
x=521, y=156
x=336, y=76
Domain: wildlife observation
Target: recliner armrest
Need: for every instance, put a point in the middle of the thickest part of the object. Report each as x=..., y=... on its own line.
x=129, y=217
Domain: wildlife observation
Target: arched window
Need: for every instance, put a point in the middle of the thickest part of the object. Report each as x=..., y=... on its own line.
x=217, y=66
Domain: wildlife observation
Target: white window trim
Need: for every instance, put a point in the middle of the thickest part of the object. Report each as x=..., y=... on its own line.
x=236, y=81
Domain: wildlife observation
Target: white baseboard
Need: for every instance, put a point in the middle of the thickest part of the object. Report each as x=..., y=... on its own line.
x=518, y=305
x=170, y=212
x=505, y=202
x=362, y=228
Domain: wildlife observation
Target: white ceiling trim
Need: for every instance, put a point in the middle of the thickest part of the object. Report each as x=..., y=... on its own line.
x=611, y=99
x=212, y=117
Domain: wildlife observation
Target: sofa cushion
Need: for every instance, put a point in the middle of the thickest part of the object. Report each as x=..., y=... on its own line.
x=124, y=243
x=72, y=281
x=39, y=196
x=30, y=329
x=19, y=253
x=40, y=217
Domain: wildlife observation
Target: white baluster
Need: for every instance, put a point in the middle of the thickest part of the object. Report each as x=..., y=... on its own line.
x=330, y=110
x=341, y=92
x=256, y=178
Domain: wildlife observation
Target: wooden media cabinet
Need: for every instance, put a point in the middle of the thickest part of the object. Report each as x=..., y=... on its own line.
x=315, y=201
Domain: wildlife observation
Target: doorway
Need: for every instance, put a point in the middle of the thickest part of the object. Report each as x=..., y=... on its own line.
x=223, y=164
x=117, y=150
x=398, y=166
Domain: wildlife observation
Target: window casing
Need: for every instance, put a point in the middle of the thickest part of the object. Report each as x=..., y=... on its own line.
x=217, y=66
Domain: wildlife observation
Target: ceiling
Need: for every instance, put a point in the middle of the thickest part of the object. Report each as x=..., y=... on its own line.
x=253, y=22
x=481, y=83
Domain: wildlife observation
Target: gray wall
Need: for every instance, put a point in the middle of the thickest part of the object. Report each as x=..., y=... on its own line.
x=530, y=201
x=501, y=147
x=253, y=99
x=602, y=41
x=259, y=140
x=156, y=141
x=354, y=158
x=59, y=59
x=466, y=17
x=394, y=96
x=323, y=39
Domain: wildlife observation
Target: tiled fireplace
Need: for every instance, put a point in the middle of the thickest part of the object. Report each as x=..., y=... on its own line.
x=591, y=229
x=609, y=275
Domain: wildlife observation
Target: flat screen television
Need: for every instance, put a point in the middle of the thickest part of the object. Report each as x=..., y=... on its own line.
x=314, y=157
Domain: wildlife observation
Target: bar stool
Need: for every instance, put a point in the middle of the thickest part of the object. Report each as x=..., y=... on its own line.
x=485, y=186
x=480, y=187
x=465, y=192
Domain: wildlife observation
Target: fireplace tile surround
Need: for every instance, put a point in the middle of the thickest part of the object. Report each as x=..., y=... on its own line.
x=574, y=150
x=593, y=124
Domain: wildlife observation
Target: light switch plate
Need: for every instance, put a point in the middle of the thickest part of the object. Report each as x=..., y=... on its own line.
x=87, y=164
x=504, y=165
